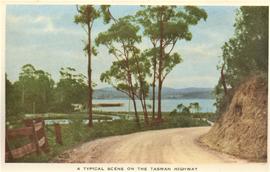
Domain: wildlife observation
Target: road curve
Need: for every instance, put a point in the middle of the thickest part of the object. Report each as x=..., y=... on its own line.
x=157, y=146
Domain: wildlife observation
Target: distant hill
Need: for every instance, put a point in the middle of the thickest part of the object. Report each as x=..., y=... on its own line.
x=167, y=93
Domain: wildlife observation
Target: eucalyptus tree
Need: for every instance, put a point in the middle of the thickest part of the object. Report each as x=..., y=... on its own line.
x=247, y=51
x=71, y=89
x=36, y=89
x=141, y=66
x=120, y=77
x=245, y=54
x=87, y=15
x=13, y=105
x=195, y=107
x=152, y=55
x=129, y=70
x=136, y=87
x=165, y=25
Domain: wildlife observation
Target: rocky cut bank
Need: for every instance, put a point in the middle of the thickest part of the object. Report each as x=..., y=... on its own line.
x=242, y=129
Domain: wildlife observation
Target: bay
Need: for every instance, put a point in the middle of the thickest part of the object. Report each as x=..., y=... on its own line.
x=207, y=105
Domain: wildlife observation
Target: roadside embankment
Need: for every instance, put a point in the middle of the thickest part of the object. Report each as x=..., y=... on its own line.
x=242, y=129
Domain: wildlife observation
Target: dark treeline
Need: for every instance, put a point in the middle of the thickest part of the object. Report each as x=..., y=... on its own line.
x=245, y=54
x=36, y=92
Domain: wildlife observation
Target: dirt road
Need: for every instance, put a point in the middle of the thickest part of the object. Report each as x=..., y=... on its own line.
x=159, y=146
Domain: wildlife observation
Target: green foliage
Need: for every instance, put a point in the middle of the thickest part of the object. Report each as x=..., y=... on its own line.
x=77, y=129
x=71, y=89
x=35, y=92
x=185, y=121
x=165, y=26
x=246, y=53
x=87, y=14
x=176, y=22
x=182, y=109
x=128, y=73
x=13, y=104
x=35, y=89
x=122, y=32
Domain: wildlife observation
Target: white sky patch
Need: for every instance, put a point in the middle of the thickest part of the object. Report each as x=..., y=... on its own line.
x=199, y=50
x=39, y=25
x=192, y=81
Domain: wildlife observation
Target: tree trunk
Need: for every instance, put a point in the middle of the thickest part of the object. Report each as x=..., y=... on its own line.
x=146, y=113
x=159, y=117
x=23, y=95
x=153, y=100
x=143, y=103
x=90, y=90
x=223, y=81
x=131, y=91
x=137, y=119
x=142, y=93
x=154, y=86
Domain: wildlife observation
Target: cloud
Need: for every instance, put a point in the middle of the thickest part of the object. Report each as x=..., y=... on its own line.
x=199, y=50
x=194, y=81
x=39, y=24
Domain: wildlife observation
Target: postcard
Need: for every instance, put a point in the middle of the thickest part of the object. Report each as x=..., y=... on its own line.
x=134, y=86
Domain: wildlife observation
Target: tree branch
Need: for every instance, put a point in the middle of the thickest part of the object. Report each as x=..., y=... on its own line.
x=163, y=77
x=173, y=44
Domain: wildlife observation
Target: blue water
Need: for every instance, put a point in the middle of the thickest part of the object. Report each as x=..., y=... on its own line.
x=167, y=104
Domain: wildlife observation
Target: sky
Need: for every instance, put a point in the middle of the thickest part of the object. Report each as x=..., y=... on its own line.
x=47, y=37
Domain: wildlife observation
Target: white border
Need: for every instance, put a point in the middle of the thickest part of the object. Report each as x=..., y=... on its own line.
x=250, y=167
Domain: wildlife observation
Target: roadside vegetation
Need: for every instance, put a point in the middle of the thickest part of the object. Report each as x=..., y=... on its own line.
x=245, y=54
x=78, y=132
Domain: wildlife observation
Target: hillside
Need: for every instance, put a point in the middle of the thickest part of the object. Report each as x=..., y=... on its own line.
x=242, y=129
x=168, y=93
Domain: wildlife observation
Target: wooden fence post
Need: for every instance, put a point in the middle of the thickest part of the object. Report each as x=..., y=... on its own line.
x=35, y=131
x=28, y=123
x=35, y=138
x=8, y=151
x=41, y=133
x=46, y=145
x=38, y=134
x=58, y=134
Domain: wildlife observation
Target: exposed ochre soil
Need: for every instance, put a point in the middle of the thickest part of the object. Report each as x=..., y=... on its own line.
x=242, y=129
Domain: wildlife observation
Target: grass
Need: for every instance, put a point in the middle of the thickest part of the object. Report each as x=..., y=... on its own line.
x=77, y=132
x=49, y=116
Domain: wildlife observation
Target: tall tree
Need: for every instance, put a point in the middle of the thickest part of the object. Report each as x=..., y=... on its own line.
x=120, y=39
x=151, y=55
x=123, y=81
x=36, y=89
x=142, y=71
x=245, y=54
x=13, y=103
x=150, y=30
x=87, y=14
x=165, y=25
x=247, y=51
x=71, y=89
